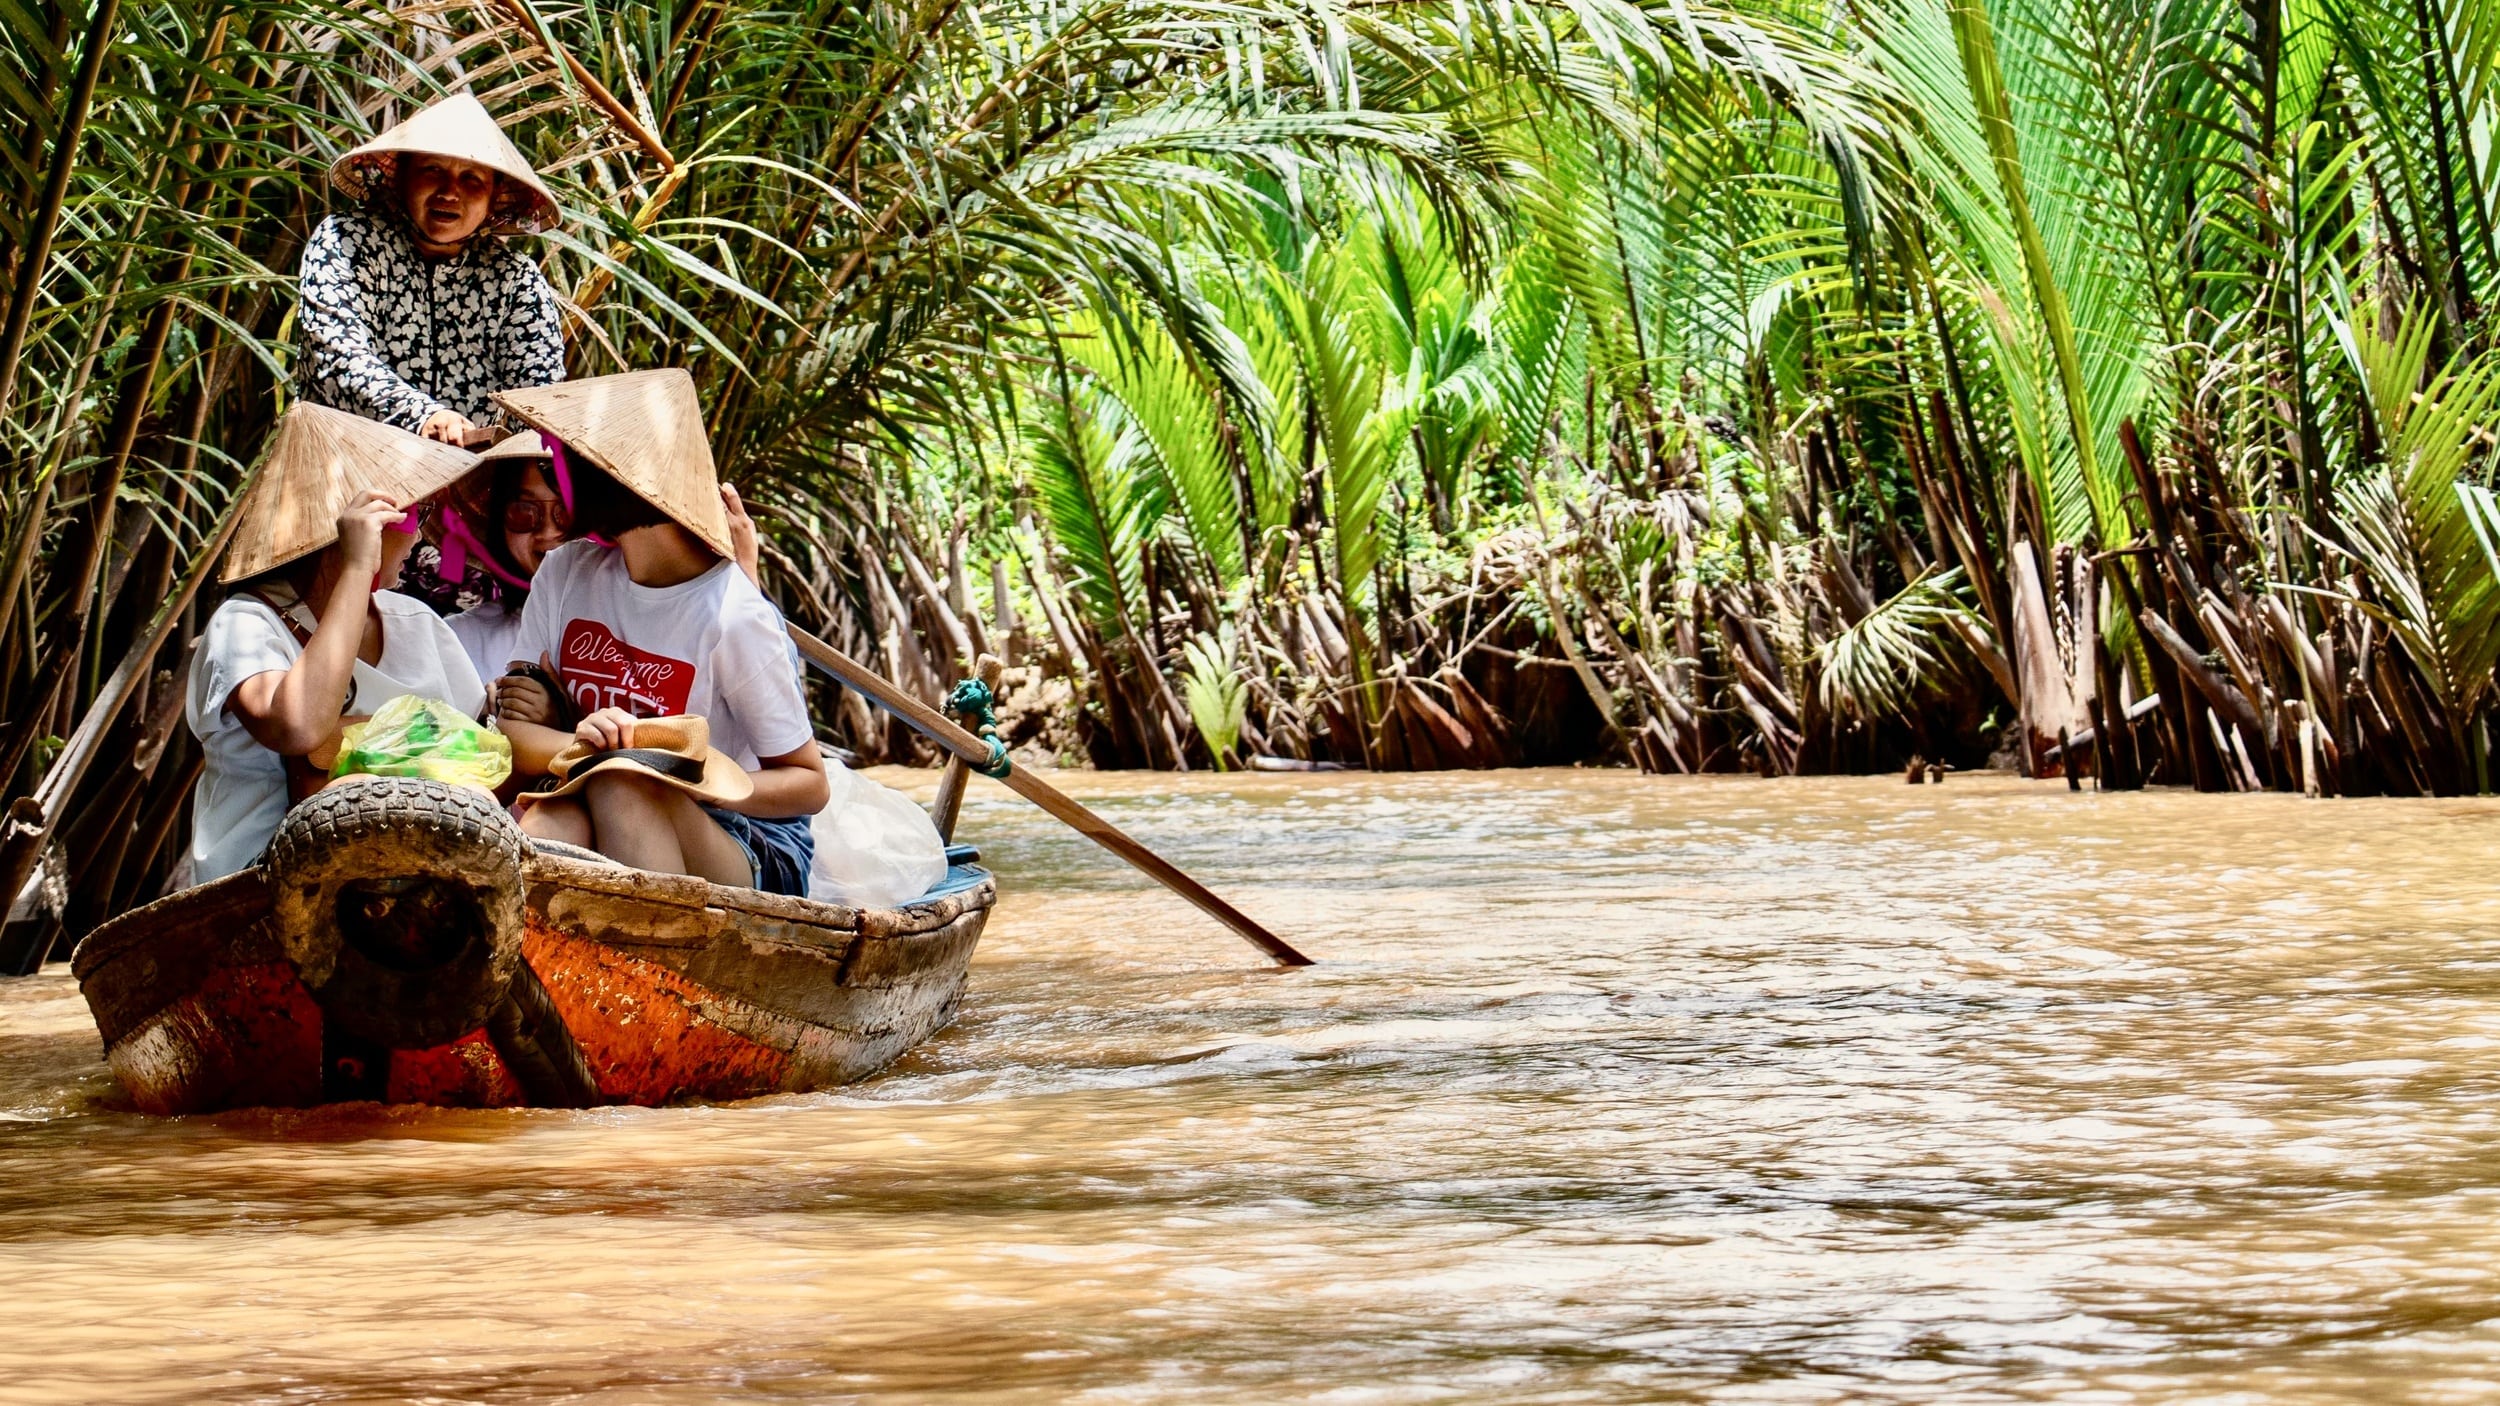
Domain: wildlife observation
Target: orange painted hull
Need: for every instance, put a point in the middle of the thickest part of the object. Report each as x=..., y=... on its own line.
x=672, y=990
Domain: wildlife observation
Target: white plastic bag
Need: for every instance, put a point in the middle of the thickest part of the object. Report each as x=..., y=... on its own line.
x=874, y=847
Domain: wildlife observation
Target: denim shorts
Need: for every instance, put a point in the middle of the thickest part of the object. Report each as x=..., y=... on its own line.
x=779, y=852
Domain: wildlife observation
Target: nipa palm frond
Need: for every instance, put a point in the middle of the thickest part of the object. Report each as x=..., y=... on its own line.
x=1876, y=668
x=1218, y=696
x=2412, y=530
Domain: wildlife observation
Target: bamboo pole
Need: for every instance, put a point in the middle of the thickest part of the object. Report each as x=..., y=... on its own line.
x=36, y=257
x=673, y=174
x=935, y=726
x=32, y=819
x=958, y=772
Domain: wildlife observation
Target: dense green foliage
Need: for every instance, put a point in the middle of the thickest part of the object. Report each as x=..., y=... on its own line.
x=1769, y=386
x=1827, y=394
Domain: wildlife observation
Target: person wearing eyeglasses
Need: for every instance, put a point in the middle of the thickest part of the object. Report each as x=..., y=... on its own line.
x=527, y=513
x=525, y=516
x=646, y=619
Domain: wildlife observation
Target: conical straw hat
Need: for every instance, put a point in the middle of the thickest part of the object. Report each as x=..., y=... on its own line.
x=317, y=460
x=645, y=428
x=528, y=444
x=457, y=126
x=469, y=496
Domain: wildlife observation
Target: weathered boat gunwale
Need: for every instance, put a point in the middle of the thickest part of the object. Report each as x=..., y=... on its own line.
x=822, y=993
x=241, y=899
x=687, y=891
x=764, y=950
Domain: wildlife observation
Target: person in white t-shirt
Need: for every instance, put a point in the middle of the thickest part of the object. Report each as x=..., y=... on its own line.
x=526, y=514
x=312, y=640
x=661, y=624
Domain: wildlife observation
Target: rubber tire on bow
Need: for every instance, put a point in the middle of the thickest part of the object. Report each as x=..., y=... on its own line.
x=373, y=828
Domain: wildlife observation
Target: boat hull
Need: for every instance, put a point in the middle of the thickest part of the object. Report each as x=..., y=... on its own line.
x=669, y=988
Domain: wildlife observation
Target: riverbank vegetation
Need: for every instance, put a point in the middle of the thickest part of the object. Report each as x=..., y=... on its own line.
x=1779, y=386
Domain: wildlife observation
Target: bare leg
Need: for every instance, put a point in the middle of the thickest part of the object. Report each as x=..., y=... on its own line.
x=708, y=849
x=648, y=825
x=563, y=820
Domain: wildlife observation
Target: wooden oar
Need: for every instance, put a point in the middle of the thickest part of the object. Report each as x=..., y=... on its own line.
x=943, y=731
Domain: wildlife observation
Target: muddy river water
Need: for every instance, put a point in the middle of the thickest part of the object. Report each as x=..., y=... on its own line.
x=1608, y=1089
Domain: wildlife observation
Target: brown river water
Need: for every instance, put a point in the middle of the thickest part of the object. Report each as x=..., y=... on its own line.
x=1609, y=1088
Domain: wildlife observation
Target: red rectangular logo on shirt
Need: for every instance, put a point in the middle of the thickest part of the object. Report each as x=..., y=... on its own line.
x=602, y=671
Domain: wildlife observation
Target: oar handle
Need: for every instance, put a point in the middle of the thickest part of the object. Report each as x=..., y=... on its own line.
x=938, y=728
x=958, y=772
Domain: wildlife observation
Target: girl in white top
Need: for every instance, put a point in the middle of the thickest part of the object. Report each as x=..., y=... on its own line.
x=528, y=514
x=526, y=517
x=275, y=674
x=659, y=625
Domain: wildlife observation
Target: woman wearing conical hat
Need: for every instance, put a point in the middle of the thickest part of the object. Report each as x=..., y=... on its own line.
x=514, y=513
x=415, y=307
x=650, y=617
x=313, y=633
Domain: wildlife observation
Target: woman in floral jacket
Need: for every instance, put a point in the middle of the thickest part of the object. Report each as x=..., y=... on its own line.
x=414, y=308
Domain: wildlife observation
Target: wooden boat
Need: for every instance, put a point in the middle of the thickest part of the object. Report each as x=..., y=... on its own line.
x=403, y=941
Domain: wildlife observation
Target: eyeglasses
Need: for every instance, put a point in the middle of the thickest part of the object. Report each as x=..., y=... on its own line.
x=528, y=514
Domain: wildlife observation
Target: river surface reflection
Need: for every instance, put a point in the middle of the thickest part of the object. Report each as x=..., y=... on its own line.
x=1609, y=1088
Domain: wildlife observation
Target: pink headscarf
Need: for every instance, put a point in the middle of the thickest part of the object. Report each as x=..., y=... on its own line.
x=460, y=540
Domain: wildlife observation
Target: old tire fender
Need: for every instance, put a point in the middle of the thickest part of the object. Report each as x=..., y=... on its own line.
x=400, y=903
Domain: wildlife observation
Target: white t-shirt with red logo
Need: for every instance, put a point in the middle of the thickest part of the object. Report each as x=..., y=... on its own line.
x=712, y=647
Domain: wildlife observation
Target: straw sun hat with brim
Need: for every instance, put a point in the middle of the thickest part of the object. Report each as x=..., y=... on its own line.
x=675, y=752
x=457, y=126
x=645, y=430
x=316, y=462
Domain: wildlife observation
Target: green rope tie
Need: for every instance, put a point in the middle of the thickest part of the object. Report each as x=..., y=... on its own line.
x=973, y=702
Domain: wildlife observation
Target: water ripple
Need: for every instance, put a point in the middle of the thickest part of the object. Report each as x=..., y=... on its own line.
x=1608, y=1088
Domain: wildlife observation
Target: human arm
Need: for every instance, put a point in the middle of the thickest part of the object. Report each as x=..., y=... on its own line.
x=533, y=745
x=447, y=425
x=518, y=698
x=535, y=739
x=537, y=732
x=763, y=696
x=745, y=547
x=343, y=363
x=295, y=711
x=792, y=783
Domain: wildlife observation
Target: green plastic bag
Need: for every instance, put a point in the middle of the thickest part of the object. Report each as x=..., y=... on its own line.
x=426, y=737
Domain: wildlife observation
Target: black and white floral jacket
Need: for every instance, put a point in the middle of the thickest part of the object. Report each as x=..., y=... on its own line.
x=394, y=336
